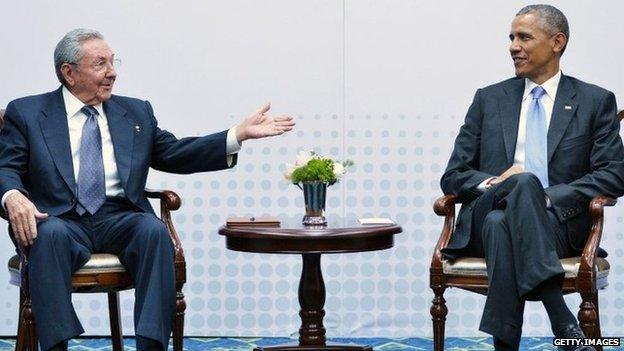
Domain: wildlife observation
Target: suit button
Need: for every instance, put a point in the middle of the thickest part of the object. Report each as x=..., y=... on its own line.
x=72, y=201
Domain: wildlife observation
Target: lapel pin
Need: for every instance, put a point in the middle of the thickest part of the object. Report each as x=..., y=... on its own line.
x=568, y=107
x=137, y=128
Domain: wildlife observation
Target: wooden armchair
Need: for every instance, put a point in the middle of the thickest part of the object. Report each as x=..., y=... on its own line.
x=584, y=274
x=102, y=273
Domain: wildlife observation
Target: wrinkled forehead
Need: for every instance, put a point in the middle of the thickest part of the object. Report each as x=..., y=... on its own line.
x=94, y=49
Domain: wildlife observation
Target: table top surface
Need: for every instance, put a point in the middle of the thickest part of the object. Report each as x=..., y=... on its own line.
x=293, y=237
x=293, y=229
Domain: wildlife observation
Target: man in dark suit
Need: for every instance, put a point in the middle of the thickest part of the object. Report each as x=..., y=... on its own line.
x=531, y=154
x=73, y=168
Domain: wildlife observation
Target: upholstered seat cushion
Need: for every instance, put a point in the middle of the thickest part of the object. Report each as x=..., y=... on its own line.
x=475, y=266
x=97, y=264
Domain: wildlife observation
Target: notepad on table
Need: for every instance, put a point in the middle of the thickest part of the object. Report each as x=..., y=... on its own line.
x=375, y=220
x=252, y=222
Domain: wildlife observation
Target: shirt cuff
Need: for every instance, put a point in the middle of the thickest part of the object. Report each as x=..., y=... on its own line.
x=232, y=146
x=4, y=197
x=483, y=186
x=548, y=203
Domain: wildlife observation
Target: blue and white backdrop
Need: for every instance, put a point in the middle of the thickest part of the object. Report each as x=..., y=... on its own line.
x=385, y=83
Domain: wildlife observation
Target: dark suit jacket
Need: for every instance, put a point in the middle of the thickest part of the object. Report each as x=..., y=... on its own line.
x=585, y=153
x=35, y=154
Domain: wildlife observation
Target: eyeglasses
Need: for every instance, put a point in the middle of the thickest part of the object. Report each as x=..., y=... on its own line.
x=101, y=65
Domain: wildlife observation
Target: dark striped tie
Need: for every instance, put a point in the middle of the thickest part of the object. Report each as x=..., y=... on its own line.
x=91, y=186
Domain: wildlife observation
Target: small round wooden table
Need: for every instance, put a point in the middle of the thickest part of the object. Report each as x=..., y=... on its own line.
x=311, y=242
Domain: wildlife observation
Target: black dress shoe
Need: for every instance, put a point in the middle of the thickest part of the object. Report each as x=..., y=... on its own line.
x=147, y=344
x=573, y=331
x=499, y=345
x=61, y=346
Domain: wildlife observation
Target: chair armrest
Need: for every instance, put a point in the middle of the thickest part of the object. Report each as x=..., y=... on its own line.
x=444, y=206
x=24, y=252
x=596, y=210
x=169, y=201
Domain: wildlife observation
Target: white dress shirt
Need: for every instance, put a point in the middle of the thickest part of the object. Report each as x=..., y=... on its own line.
x=75, y=121
x=548, y=102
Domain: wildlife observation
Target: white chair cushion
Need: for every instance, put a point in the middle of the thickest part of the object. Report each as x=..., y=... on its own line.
x=98, y=263
x=475, y=266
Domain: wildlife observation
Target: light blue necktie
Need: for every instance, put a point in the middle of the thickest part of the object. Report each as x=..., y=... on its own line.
x=91, y=186
x=536, y=147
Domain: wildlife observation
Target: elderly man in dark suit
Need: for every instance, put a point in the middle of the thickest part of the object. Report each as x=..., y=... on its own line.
x=73, y=168
x=531, y=154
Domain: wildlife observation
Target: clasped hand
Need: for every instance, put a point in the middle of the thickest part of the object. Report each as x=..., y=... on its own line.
x=508, y=173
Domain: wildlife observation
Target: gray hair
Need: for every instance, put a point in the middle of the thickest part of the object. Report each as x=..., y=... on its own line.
x=553, y=20
x=69, y=49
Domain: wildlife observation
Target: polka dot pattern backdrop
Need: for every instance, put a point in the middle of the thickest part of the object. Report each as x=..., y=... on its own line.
x=363, y=83
x=384, y=293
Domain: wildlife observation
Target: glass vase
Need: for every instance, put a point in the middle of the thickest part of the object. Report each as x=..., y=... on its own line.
x=314, y=195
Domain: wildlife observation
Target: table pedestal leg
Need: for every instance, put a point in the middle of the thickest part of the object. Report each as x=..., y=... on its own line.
x=312, y=300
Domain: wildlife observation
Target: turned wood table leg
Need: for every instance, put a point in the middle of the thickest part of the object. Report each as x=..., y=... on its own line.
x=312, y=300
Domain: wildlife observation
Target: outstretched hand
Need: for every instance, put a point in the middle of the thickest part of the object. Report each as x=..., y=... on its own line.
x=260, y=125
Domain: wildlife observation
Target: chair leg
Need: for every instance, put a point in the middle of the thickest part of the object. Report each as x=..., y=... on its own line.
x=597, y=331
x=21, y=331
x=178, y=325
x=29, y=326
x=115, y=321
x=438, y=315
x=587, y=314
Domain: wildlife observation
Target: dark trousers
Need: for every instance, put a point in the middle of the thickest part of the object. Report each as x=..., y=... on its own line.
x=65, y=243
x=522, y=241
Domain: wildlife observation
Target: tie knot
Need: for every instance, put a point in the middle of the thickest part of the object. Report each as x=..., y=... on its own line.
x=90, y=111
x=537, y=92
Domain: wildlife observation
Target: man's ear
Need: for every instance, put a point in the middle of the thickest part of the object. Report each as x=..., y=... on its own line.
x=559, y=42
x=69, y=74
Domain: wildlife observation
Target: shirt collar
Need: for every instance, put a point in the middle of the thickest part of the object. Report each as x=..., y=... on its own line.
x=73, y=105
x=550, y=86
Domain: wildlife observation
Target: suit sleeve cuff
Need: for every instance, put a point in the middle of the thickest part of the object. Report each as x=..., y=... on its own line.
x=232, y=145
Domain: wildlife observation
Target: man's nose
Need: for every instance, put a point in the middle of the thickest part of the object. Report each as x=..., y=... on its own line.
x=110, y=72
x=514, y=46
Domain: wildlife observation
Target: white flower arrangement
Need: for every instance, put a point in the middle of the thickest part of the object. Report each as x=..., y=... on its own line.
x=312, y=167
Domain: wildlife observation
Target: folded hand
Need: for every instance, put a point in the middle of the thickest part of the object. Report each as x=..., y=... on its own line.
x=508, y=173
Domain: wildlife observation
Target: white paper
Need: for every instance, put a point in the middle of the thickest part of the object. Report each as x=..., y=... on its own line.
x=375, y=220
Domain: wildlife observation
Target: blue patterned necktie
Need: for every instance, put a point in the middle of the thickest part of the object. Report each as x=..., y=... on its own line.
x=91, y=186
x=535, y=147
